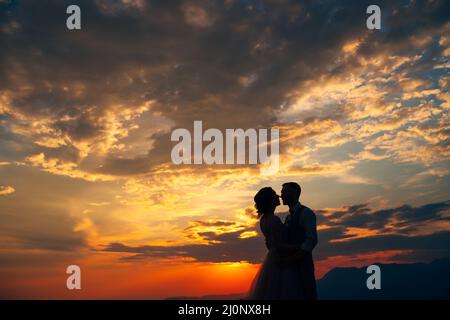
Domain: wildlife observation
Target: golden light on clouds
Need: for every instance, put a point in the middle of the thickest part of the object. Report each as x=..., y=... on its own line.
x=5, y=190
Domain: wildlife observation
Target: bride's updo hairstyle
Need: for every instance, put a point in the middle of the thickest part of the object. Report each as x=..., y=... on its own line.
x=264, y=200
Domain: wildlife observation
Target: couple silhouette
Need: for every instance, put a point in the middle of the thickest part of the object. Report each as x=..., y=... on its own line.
x=287, y=272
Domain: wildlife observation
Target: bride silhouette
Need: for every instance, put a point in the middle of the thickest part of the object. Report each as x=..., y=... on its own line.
x=277, y=277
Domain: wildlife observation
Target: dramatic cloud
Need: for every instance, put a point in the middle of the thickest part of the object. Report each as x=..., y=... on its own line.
x=4, y=190
x=111, y=94
x=394, y=219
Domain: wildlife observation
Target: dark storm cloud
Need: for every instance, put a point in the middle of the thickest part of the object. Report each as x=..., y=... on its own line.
x=230, y=64
x=360, y=216
x=230, y=247
x=437, y=243
x=424, y=213
x=349, y=211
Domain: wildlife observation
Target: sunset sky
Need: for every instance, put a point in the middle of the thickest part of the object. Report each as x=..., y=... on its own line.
x=86, y=116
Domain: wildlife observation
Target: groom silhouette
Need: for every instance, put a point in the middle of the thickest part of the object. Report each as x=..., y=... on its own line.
x=302, y=231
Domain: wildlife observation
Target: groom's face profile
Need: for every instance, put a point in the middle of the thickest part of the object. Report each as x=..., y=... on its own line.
x=285, y=195
x=288, y=195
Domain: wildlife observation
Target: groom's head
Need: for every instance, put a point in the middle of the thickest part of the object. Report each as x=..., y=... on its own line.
x=290, y=193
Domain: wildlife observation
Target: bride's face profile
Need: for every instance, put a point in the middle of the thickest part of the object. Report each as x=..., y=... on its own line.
x=266, y=200
x=276, y=200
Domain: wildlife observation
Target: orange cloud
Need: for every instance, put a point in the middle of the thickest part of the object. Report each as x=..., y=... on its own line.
x=5, y=190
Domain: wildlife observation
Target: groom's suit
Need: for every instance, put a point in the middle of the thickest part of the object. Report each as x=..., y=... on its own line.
x=302, y=230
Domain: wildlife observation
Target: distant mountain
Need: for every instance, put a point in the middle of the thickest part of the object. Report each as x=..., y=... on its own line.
x=398, y=281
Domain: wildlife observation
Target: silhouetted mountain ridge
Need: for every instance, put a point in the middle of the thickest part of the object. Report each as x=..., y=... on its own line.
x=398, y=281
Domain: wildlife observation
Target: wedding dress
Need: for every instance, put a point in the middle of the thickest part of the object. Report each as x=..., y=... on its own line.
x=274, y=280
